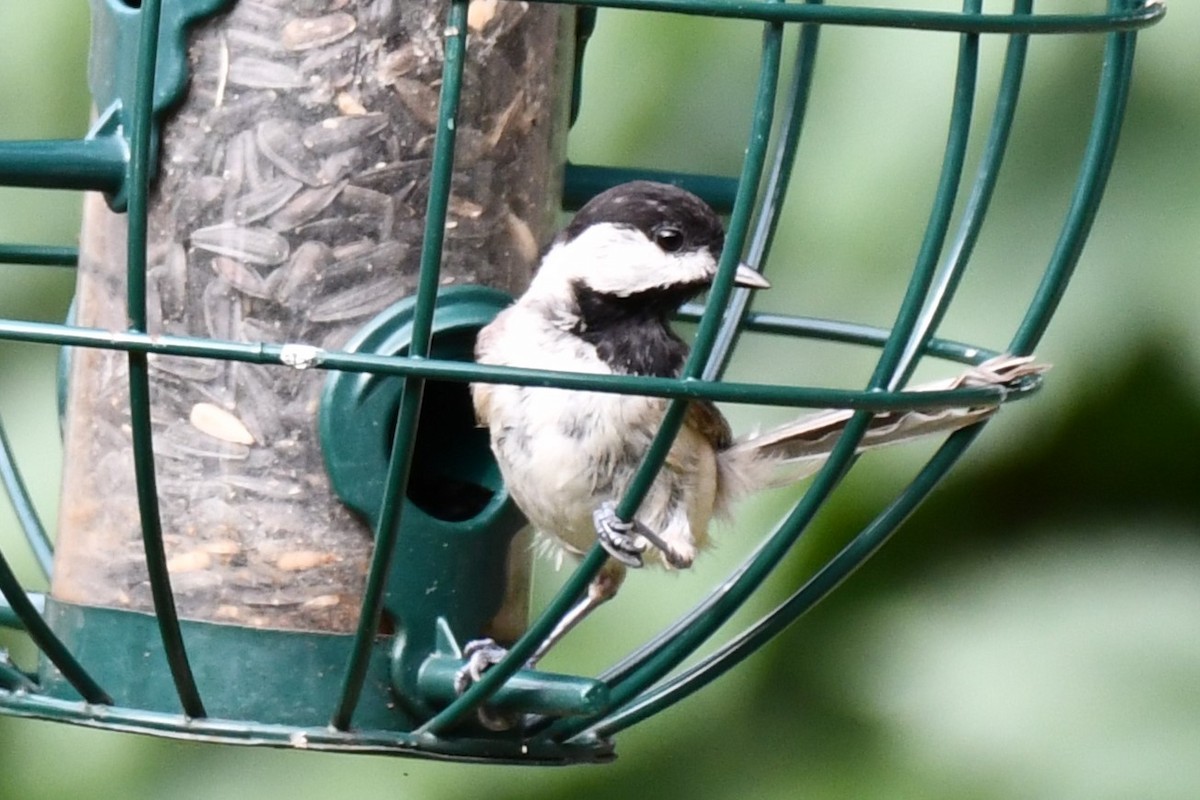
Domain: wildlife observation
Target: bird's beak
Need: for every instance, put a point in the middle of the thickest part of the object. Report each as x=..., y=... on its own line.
x=750, y=278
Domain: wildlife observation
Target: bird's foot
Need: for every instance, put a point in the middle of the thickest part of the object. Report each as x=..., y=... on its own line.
x=626, y=541
x=481, y=654
x=620, y=538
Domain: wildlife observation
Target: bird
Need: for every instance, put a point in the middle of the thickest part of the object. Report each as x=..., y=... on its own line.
x=600, y=302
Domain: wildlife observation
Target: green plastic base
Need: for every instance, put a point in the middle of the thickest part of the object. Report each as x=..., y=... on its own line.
x=286, y=677
x=247, y=675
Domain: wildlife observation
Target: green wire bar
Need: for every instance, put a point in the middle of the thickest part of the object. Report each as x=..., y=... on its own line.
x=9, y=618
x=582, y=182
x=138, y=183
x=30, y=619
x=580, y=715
x=1098, y=157
x=449, y=370
x=940, y=297
x=404, y=434
x=1101, y=149
x=1102, y=146
x=657, y=664
x=889, y=371
x=773, y=197
x=738, y=317
x=959, y=254
x=27, y=518
x=97, y=164
x=1127, y=16
x=719, y=295
x=39, y=255
x=673, y=418
x=23, y=610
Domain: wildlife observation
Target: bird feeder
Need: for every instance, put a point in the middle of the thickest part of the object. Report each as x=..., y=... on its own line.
x=279, y=523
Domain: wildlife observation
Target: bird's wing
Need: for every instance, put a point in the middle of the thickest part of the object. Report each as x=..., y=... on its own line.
x=481, y=397
x=705, y=418
x=481, y=393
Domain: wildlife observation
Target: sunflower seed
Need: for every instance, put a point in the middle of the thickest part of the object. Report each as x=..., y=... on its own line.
x=306, y=263
x=360, y=300
x=253, y=245
x=219, y=424
x=266, y=199
x=240, y=276
x=334, y=133
x=298, y=560
x=261, y=73
x=304, y=206
x=305, y=33
x=339, y=165
x=279, y=142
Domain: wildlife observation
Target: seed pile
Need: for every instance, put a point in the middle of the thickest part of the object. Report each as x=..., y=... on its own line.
x=289, y=207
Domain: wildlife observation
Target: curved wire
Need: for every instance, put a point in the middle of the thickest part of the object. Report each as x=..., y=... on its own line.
x=738, y=590
x=138, y=183
x=947, y=281
x=738, y=314
x=865, y=544
x=890, y=371
x=777, y=185
x=27, y=516
x=671, y=652
x=1102, y=143
x=45, y=640
x=704, y=672
x=722, y=289
x=404, y=433
x=842, y=332
x=752, y=169
x=1089, y=188
x=523, y=649
x=1125, y=16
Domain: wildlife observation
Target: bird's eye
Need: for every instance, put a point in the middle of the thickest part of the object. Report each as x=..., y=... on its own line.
x=669, y=240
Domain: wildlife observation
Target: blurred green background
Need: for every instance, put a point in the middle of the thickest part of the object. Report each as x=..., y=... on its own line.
x=1032, y=632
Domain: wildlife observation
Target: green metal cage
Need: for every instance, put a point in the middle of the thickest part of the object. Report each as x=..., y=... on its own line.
x=371, y=690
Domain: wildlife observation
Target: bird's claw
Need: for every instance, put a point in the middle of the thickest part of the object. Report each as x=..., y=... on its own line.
x=626, y=541
x=479, y=654
x=618, y=537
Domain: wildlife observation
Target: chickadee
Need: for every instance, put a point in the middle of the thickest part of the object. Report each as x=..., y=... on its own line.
x=600, y=303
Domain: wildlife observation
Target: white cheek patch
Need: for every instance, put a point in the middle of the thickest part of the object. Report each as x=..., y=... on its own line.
x=621, y=261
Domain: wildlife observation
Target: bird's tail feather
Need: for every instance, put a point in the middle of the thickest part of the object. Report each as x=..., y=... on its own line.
x=795, y=450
